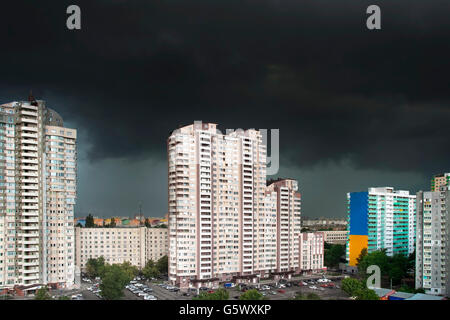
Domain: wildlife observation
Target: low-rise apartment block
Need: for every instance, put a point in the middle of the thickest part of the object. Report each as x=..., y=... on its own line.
x=336, y=237
x=324, y=223
x=135, y=245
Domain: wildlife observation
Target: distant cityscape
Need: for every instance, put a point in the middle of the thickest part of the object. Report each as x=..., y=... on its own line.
x=227, y=224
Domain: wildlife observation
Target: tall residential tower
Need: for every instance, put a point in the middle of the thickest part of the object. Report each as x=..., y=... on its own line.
x=432, y=244
x=224, y=223
x=37, y=196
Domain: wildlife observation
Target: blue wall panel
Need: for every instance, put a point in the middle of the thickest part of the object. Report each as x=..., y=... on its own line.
x=359, y=206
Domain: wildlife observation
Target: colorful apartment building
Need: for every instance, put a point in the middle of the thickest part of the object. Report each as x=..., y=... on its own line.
x=381, y=218
x=440, y=180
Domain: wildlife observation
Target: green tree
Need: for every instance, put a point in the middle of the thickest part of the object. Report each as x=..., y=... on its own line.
x=405, y=288
x=333, y=255
x=147, y=223
x=398, y=268
x=378, y=258
x=90, y=221
x=150, y=270
x=366, y=294
x=132, y=271
x=114, y=280
x=251, y=294
x=352, y=286
x=95, y=267
x=63, y=298
x=312, y=296
x=163, y=264
x=309, y=296
x=113, y=223
x=361, y=256
x=79, y=225
x=220, y=294
x=43, y=294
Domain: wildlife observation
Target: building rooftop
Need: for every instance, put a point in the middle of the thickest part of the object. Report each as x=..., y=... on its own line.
x=423, y=296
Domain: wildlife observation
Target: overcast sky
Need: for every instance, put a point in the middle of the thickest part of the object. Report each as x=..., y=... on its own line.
x=355, y=108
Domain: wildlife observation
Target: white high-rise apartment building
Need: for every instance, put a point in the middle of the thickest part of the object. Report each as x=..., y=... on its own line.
x=222, y=217
x=288, y=224
x=37, y=196
x=432, y=241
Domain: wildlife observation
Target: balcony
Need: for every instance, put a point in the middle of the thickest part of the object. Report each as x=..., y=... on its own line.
x=28, y=135
x=36, y=227
x=31, y=277
x=29, y=113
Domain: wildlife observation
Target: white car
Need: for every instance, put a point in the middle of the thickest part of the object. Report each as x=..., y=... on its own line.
x=138, y=285
x=265, y=288
x=150, y=297
x=313, y=287
x=141, y=294
x=282, y=285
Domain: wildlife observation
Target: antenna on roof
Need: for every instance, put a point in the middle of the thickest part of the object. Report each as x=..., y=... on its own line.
x=140, y=213
x=31, y=98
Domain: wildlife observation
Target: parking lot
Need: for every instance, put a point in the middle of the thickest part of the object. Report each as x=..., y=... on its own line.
x=140, y=289
x=329, y=290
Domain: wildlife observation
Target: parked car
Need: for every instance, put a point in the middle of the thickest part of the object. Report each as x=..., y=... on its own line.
x=142, y=294
x=273, y=292
x=265, y=287
x=313, y=287
x=282, y=291
x=149, y=297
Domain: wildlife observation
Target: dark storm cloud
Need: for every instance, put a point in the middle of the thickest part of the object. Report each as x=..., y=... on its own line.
x=337, y=91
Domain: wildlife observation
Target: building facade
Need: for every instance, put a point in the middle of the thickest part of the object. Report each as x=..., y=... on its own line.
x=336, y=237
x=311, y=252
x=440, y=180
x=288, y=225
x=325, y=223
x=224, y=222
x=432, y=243
x=37, y=196
x=136, y=245
x=381, y=218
